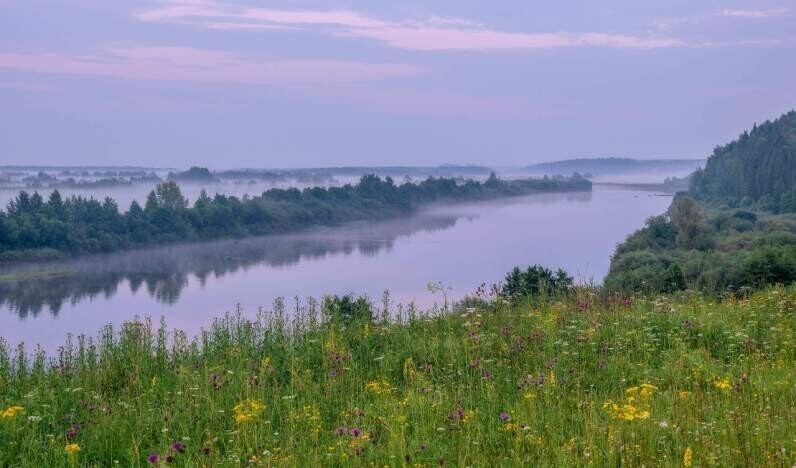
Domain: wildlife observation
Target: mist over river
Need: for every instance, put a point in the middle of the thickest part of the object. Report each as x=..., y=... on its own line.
x=460, y=246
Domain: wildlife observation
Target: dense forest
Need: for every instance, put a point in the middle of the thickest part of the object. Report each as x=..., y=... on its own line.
x=733, y=230
x=758, y=170
x=32, y=227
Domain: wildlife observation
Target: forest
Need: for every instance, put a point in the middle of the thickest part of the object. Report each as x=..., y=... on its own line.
x=734, y=230
x=757, y=170
x=32, y=227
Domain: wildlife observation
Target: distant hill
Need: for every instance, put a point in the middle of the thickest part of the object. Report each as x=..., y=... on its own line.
x=757, y=170
x=615, y=166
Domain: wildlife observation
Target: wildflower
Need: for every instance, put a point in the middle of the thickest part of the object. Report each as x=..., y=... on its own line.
x=504, y=416
x=683, y=394
x=341, y=431
x=356, y=432
x=687, y=456
x=153, y=458
x=11, y=412
x=723, y=384
x=73, y=432
x=72, y=449
x=178, y=447
x=378, y=387
x=169, y=458
x=625, y=412
x=247, y=410
x=206, y=450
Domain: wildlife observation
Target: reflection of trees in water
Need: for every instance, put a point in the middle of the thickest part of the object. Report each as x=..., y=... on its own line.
x=164, y=272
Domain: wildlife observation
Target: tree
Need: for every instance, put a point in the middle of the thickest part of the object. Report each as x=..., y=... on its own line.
x=688, y=220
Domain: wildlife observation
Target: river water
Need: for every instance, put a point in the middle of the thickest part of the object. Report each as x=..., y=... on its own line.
x=458, y=246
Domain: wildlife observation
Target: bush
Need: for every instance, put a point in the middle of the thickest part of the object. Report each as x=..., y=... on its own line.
x=348, y=309
x=533, y=281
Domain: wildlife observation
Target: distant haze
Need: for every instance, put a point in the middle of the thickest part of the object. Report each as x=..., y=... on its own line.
x=311, y=83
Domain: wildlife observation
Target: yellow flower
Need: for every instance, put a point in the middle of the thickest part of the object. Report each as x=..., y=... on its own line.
x=378, y=387
x=723, y=384
x=625, y=412
x=11, y=411
x=687, y=457
x=72, y=449
x=247, y=411
x=683, y=394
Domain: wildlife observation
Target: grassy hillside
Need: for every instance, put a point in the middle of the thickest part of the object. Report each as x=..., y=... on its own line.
x=659, y=381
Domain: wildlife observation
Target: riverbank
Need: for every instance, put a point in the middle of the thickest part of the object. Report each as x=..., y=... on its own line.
x=678, y=380
x=33, y=227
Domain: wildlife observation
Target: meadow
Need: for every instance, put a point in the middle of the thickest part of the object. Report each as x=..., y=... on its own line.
x=580, y=379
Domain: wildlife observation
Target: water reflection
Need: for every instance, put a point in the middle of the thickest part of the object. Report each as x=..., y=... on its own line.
x=164, y=272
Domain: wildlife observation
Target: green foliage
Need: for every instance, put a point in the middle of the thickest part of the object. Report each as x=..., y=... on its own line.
x=77, y=225
x=348, y=309
x=533, y=281
x=727, y=248
x=756, y=170
x=561, y=382
x=713, y=250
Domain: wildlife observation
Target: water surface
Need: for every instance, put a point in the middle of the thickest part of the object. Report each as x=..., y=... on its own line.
x=460, y=246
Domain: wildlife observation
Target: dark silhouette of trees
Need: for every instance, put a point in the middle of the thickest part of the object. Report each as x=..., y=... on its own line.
x=757, y=170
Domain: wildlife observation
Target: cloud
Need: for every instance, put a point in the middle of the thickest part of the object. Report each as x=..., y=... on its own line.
x=778, y=13
x=203, y=66
x=429, y=34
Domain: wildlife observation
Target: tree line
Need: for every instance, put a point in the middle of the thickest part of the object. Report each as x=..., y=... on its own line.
x=756, y=171
x=734, y=228
x=32, y=226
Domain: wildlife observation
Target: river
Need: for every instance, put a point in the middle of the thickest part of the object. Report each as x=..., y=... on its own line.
x=457, y=246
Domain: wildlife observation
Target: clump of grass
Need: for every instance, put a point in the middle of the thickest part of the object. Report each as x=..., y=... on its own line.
x=667, y=380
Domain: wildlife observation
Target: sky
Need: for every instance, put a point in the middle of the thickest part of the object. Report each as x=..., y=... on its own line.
x=297, y=83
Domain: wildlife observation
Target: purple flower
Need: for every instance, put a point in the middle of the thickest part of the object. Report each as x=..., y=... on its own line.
x=356, y=432
x=341, y=431
x=213, y=377
x=504, y=416
x=153, y=458
x=178, y=447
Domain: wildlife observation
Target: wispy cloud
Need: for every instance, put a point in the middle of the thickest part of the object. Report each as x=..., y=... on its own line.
x=203, y=66
x=776, y=13
x=427, y=34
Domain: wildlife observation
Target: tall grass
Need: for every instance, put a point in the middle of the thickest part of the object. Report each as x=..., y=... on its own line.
x=658, y=381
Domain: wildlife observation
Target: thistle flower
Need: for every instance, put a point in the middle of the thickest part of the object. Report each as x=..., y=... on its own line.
x=341, y=431
x=504, y=416
x=178, y=446
x=153, y=458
